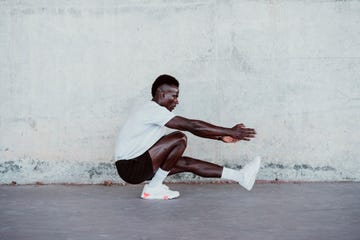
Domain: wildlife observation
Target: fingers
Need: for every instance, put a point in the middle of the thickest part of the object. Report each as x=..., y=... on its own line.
x=228, y=139
x=240, y=125
x=248, y=131
x=245, y=134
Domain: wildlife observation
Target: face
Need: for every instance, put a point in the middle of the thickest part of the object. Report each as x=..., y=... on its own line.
x=169, y=96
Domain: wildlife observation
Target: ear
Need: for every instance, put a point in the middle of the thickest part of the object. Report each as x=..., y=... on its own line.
x=162, y=94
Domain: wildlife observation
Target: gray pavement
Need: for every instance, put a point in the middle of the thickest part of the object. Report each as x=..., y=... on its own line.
x=204, y=211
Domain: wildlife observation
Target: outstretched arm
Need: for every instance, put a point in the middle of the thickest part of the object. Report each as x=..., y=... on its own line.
x=207, y=130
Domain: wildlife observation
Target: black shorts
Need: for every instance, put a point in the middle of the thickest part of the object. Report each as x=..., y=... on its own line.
x=136, y=170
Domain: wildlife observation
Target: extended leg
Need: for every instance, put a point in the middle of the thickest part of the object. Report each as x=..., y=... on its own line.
x=198, y=167
x=245, y=177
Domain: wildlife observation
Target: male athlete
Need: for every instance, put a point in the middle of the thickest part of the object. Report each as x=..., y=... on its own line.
x=145, y=152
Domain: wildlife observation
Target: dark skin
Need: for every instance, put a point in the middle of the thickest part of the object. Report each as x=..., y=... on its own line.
x=167, y=153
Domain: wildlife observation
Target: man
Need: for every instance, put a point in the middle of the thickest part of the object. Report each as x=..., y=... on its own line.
x=145, y=152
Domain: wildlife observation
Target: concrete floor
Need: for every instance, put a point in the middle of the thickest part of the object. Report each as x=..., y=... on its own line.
x=313, y=211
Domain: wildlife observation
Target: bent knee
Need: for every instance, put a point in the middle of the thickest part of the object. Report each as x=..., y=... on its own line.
x=179, y=137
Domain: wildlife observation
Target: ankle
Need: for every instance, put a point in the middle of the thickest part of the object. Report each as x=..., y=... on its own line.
x=158, y=178
x=232, y=174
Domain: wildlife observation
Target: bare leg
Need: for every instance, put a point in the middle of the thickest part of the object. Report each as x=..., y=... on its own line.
x=168, y=150
x=164, y=155
x=167, y=154
x=198, y=167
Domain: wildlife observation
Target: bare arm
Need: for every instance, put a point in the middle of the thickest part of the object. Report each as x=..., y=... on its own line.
x=207, y=130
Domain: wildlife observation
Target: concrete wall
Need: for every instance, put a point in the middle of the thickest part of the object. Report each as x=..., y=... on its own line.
x=70, y=71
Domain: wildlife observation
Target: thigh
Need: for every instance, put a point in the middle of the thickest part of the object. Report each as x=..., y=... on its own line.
x=162, y=148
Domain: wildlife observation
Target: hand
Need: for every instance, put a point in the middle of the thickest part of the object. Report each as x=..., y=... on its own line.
x=228, y=139
x=239, y=126
x=243, y=133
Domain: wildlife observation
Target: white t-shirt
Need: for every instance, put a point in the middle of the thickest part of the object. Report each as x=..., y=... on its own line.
x=143, y=128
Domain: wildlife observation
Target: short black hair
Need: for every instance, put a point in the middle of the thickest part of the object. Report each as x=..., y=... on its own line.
x=161, y=80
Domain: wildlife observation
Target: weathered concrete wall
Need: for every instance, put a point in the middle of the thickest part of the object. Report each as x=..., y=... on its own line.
x=70, y=71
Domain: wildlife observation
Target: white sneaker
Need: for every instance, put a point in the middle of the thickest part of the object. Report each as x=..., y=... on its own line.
x=159, y=192
x=249, y=172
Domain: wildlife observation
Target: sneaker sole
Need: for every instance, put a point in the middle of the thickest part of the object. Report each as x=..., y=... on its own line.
x=147, y=196
x=250, y=183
